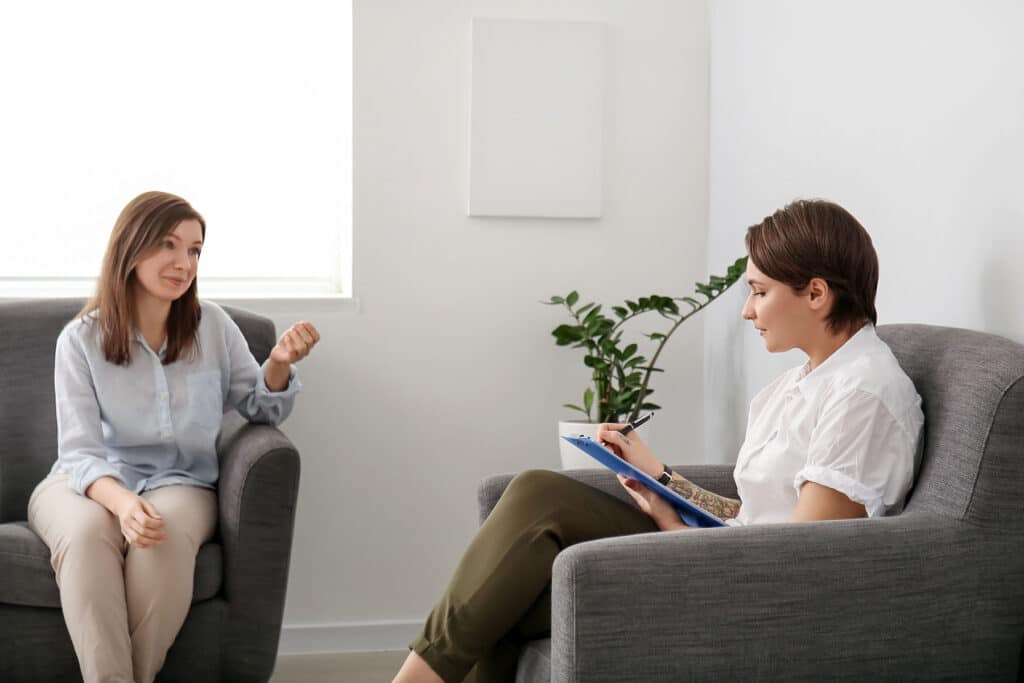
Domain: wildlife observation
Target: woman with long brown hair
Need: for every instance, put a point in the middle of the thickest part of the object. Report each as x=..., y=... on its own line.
x=142, y=377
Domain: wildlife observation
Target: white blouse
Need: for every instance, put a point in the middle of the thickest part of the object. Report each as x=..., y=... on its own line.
x=852, y=424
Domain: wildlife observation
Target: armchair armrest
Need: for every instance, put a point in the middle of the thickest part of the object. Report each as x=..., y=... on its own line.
x=257, y=492
x=715, y=478
x=907, y=597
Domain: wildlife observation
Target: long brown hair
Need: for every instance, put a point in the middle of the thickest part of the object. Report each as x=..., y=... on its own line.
x=812, y=238
x=143, y=223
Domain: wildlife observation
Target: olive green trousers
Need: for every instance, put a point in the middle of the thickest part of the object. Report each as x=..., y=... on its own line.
x=500, y=594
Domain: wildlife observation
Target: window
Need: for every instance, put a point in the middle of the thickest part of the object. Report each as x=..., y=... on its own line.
x=243, y=108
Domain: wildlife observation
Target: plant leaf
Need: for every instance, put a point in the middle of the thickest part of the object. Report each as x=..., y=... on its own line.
x=567, y=334
x=570, y=406
x=593, y=315
x=573, y=297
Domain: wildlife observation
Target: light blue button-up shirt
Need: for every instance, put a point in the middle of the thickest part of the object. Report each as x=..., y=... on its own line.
x=148, y=424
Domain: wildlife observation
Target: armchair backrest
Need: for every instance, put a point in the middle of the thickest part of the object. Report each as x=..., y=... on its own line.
x=28, y=422
x=972, y=388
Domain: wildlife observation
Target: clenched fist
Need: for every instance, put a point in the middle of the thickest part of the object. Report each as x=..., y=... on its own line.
x=294, y=345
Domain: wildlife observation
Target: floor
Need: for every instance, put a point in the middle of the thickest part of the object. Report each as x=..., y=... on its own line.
x=345, y=667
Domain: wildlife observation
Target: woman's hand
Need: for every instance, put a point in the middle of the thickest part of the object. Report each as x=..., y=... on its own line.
x=295, y=344
x=630, y=448
x=654, y=505
x=141, y=524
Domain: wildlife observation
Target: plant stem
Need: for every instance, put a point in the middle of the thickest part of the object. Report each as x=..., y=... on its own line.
x=635, y=412
x=600, y=395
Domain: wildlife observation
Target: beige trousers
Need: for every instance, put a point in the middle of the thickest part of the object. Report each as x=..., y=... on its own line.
x=123, y=605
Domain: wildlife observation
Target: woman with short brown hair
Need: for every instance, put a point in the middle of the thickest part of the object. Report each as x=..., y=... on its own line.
x=820, y=239
x=832, y=439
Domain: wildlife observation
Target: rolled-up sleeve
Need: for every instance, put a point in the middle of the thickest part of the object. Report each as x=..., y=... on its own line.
x=80, y=449
x=858, y=449
x=247, y=386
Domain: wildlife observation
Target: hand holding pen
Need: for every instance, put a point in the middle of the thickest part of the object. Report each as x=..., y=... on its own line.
x=629, y=427
x=636, y=423
x=628, y=446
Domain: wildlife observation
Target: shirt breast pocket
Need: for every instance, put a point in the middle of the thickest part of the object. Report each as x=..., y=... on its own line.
x=205, y=401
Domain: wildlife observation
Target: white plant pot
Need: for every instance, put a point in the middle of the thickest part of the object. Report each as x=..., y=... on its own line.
x=575, y=459
x=572, y=457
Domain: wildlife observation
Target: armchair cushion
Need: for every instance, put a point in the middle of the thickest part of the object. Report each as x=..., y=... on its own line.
x=29, y=580
x=535, y=662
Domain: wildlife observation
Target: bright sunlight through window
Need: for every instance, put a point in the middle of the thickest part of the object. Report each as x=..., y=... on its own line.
x=242, y=108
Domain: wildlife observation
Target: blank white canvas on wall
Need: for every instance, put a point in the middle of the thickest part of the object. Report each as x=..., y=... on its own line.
x=537, y=119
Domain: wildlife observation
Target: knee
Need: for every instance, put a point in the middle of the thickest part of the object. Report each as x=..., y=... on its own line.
x=178, y=548
x=535, y=487
x=89, y=531
x=535, y=478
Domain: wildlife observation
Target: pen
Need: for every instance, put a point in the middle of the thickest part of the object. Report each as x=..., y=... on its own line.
x=635, y=423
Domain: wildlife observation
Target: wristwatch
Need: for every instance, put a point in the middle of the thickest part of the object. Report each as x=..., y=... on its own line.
x=666, y=475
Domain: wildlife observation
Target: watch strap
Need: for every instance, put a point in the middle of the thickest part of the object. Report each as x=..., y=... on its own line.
x=666, y=475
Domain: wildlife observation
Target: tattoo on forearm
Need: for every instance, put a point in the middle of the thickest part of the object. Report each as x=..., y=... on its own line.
x=719, y=506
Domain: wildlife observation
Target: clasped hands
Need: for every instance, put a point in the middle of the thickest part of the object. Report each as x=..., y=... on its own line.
x=141, y=524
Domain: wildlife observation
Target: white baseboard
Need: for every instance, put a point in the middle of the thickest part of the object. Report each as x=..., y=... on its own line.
x=365, y=636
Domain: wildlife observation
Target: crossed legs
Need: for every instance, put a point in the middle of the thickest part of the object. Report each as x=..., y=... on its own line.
x=499, y=595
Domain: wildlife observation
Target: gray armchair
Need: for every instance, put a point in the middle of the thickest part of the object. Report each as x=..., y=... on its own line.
x=935, y=592
x=234, y=625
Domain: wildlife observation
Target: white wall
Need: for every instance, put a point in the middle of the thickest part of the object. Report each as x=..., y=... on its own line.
x=909, y=113
x=447, y=372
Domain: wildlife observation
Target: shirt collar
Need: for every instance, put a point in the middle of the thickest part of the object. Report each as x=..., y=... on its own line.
x=855, y=346
x=142, y=340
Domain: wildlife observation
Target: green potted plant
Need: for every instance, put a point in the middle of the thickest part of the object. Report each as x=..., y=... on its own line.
x=620, y=374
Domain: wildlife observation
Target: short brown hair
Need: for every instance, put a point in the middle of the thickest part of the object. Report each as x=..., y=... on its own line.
x=143, y=223
x=811, y=238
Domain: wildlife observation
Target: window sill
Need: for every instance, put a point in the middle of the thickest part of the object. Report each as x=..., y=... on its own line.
x=260, y=296
x=268, y=305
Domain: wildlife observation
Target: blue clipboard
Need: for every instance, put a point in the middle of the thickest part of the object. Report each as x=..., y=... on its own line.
x=688, y=512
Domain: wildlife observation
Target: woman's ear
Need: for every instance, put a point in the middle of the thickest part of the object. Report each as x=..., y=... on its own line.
x=818, y=293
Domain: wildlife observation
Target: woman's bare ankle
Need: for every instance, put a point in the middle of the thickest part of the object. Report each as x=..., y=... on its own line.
x=416, y=670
